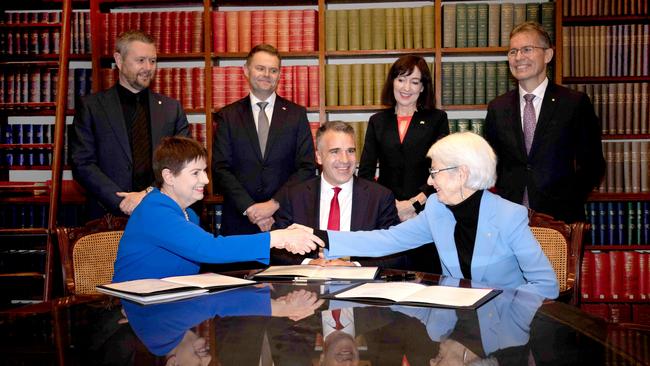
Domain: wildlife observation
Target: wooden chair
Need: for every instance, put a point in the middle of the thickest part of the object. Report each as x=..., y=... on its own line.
x=88, y=253
x=562, y=243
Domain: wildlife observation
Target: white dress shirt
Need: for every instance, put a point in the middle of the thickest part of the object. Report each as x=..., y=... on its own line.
x=537, y=101
x=268, y=110
x=345, y=203
x=346, y=319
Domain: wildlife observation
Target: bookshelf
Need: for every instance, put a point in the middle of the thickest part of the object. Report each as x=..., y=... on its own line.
x=606, y=55
x=38, y=54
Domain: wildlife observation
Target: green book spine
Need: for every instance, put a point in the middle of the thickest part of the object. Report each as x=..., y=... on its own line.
x=428, y=27
x=408, y=28
x=399, y=28
x=461, y=25
x=548, y=18
x=417, y=27
x=502, y=78
x=519, y=14
x=379, y=29
x=368, y=84
x=507, y=19
x=330, y=28
x=354, y=29
x=479, y=83
x=331, y=85
x=365, y=36
x=342, y=30
x=482, y=25
x=360, y=136
x=490, y=80
x=472, y=25
x=345, y=84
x=453, y=126
x=462, y=125
x=390, y=28
x=476, y=126
x=379, y=77
x=447, y=83
x=532, y=12
x=469, y=71
x=458, y=83
x=639, y=222
x=494, y=21
x=449, y=25
x=357, y=84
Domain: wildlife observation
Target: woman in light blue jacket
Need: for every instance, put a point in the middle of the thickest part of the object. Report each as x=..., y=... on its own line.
x=479, y=235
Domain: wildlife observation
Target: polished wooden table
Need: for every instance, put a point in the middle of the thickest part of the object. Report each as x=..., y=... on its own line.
x=290, y=324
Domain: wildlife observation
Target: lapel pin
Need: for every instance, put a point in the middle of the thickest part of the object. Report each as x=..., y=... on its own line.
x=159, y=102
x=284, y=108
x=553, y=99
x=422, y=122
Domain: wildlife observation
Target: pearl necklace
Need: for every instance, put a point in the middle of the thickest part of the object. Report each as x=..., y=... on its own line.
x=187, y=217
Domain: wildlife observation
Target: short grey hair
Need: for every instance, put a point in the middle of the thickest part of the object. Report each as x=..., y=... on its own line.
x=335, y=126
x=124, y=40
x=470, y=150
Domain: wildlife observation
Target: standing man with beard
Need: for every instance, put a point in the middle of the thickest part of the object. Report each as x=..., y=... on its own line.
x=263, y=142
x=116, y=130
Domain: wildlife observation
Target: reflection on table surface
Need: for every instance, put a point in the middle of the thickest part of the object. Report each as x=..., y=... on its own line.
x=290, y=324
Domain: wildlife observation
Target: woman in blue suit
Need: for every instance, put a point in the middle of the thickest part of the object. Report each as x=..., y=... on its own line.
x=479, y=235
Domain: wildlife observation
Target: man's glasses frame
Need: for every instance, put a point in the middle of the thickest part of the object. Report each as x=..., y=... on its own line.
x=433, y=172
x=525, y=50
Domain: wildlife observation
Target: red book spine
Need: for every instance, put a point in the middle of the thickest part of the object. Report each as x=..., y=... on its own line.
x=233, y=83
x=289, y=82
x=46, y=85
x=112, y=32
x=176, y=37
x=309, y=30
x=302, y=83
x=313, y=86
x=244, y=89
x=196, y=21
x=620, y=313
x=186, y=38
x=35, y=85
x=244, y=34
x=165, y=82
x=313, y=126
x=200, y=133
x=165, y=40
x=56, y=41
x=257, y=27
x=586, y=275
x=10, y=89
x=631, y=275
x=281, y=90
x=122, y=23
x=218, y=87
x=599, y=310
x=283, y=30
x=271, y=27
x=644, y=276
x=176, y=84
x=33, y=42
x=24, y=86
x=24, y=42
x=146, y=23
x=198, y=97
x=295, y=30
x=616, y=274
x=601, y=284
x=232, y=31
x=218, y=31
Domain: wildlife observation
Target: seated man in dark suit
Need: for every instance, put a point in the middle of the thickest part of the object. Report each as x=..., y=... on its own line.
x=337, y=200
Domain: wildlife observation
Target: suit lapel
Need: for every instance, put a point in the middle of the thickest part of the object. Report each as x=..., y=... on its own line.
x=444, y=226
x=545, y=114
x=115, y=118
x=246, y=111
x=157, y=118
x=313, y=209
x=515, y=124
x=359, y=200
x=486, y=236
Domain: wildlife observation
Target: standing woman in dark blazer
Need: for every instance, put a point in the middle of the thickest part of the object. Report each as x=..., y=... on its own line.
x=399, y=137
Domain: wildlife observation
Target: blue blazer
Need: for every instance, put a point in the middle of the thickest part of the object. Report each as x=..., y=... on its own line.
x=506, y=254
x=100, y=148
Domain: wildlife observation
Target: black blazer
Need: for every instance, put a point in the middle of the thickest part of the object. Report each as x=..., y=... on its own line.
x=239, y=171
x=373, y=207
x=566, y=158
x=100, y=148
x=403, y=167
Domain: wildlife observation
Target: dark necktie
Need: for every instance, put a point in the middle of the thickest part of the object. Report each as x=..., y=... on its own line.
x=141, y=148
x=529, y=121
x=334, y=219
x=336, y=315
x=262, y=126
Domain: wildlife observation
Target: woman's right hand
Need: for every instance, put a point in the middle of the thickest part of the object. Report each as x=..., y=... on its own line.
x=295, y=240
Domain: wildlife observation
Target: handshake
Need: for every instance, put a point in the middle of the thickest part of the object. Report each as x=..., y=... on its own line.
x=297, y=239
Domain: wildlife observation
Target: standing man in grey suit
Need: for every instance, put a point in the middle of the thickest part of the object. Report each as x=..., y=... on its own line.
x=116, y=130
x=546, y=137
x=263, y=142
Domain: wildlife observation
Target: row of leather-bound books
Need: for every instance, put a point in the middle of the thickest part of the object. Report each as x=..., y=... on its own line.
x=627, y=166
x=619, y=223
x=605, y=7
x=615, y=275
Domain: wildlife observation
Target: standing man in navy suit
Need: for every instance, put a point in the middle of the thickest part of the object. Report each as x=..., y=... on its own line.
x=263, y=142
x=116, y=130
x=363, y=204
x=546, y=137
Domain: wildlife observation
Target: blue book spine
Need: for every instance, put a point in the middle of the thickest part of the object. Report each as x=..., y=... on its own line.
x=28, y=138
x=620, y=207
x=639, y=222
x=593, y=220
x=631, y=223
x=37, y=135
x=19, y=157
x=602, y=218
x=612, y=228
x=646, y=222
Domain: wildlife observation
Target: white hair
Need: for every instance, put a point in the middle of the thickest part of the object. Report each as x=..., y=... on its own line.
x=470, y=150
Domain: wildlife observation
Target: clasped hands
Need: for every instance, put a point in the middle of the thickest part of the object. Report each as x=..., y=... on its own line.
x=261, y=214
x=297, y=239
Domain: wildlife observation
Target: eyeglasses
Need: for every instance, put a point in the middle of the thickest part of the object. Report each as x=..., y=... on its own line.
x=525, y=51
x=433, y=172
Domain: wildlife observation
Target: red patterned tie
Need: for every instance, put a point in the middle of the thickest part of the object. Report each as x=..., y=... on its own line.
x=334, y=219
x=336, y=314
